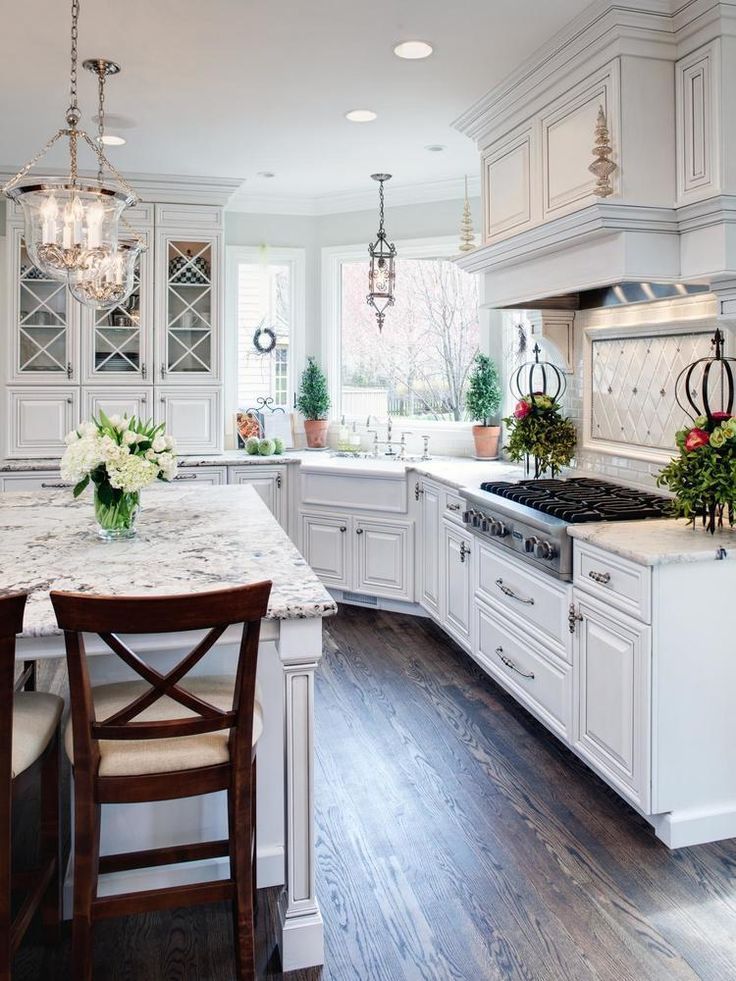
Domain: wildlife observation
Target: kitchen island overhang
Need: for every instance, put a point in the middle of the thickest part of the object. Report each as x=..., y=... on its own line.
x=193, y=540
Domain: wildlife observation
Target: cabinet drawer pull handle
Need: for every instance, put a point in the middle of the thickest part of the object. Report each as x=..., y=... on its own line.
x=453, y=507
x=510, y=664
x=163, y=372
x=358, y=531
x=50, y=486
x=185, y=476
x=278, y=480
x=144, y=370
x=508, y=591
x=464, y=550
x=601, y=577
x=69, y=370
x=417, y=491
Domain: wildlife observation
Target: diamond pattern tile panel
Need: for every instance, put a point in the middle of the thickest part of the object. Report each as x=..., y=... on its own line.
x=633, y=387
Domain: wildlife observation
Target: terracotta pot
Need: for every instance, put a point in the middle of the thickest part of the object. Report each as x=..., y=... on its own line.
x=486, y=441
x=316, y=432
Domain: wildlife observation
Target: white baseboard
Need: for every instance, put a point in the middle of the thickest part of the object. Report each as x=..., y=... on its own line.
x=680, y=829
x=301, y=939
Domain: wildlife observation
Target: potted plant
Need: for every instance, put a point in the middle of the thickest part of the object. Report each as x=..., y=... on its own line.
x=314, y=404
x=482, y=403
x=538, y=430
x=703, y=476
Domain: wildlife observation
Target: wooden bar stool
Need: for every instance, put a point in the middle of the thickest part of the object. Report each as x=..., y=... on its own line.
x=29, y=734
x=155, y=739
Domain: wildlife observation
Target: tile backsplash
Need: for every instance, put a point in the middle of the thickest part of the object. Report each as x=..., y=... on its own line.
x=632, y=391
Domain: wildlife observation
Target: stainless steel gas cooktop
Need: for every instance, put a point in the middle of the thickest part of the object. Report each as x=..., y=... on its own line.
x=530, y=517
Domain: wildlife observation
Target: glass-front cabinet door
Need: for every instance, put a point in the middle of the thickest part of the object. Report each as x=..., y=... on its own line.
x=118, y=343
x=44, y=321
x=188, y=338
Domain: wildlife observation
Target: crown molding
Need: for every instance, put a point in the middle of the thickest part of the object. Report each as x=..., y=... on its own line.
x=346, y=201
x=640, y=28
x=166, y=188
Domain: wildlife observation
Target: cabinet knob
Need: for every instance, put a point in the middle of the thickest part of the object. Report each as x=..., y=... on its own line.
x=163, y=371
x=69, y=370
x=358, y=531
x=343, y=529
x=70, y=400
x=144, y=370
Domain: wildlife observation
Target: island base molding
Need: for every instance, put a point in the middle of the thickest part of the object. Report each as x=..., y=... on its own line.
x=301, y=937
x=695, y=826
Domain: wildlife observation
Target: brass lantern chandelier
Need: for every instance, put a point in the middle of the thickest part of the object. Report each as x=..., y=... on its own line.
x=381, y=274
x=109, y=278
x=69, y=222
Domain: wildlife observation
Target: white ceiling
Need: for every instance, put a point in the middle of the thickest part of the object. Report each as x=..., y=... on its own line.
x=228, y=88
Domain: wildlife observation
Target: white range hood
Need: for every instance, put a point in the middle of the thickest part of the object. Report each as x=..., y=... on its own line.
x=665, y=76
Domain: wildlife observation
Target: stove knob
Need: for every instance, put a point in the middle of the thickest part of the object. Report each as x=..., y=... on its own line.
x=486, y=524
x=467, y=517
x=499, y=529
x=544, y=550
x=530, y=544
x=477, y=518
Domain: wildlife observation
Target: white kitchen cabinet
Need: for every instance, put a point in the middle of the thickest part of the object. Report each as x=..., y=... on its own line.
x=510, y=187
x=429, y=552
x=117, y=344
x=269, y=483
x=118, y=401
x=32, y=480
x=189, y=297
x=612, y=684
x=324, y=543
x=38, y=419
x=193, y=416
x=42, y=320
x=698, y=123
x=458, y=555
x=384, y=558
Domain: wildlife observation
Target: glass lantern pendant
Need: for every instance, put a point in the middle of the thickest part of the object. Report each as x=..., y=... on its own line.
x=108, y=279
x=69, y=223
x=381, y=273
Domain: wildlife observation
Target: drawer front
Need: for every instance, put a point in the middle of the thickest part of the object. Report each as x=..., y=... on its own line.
x=33, y=480
x=615, y=580
x=453, y=506
x=540, y=606
x=202, y=476
x=544, y=687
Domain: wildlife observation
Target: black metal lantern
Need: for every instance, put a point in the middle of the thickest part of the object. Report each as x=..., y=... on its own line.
x=538, y=378
x=381, y=274
x=710, y=380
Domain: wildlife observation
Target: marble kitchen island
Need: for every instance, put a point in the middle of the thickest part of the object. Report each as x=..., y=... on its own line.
x=193, y=540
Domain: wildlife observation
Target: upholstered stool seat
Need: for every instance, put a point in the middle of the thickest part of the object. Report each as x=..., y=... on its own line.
x=36, y=715
x=131, y=757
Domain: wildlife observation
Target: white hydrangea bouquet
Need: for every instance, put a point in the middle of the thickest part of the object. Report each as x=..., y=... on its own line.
x=119, y=457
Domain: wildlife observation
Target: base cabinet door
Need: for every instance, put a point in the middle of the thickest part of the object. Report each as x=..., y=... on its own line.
x=613, y=697
x=458, y=584
x=117, y=402
x=39, y=419
x=324, y=544
x=429, y=550
x=384, y=559
x=270, y=485
x=193, y=416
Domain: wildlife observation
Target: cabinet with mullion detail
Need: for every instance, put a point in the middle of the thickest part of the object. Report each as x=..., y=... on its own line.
x=189, y=303
x=44, y=322
x=117, y=344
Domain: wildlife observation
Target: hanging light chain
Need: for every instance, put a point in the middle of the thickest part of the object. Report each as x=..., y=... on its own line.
x=33, y=161
x=100, y=120
x=72, y=113
x=381, y=232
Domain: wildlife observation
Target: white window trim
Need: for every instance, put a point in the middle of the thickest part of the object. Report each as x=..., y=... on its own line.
x=296, y=260
x=333, y=257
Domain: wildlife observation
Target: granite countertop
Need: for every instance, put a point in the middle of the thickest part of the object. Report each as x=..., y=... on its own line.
x=658, y=542
x=189, y=540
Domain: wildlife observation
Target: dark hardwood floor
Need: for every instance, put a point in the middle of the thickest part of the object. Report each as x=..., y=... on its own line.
x=456, y=840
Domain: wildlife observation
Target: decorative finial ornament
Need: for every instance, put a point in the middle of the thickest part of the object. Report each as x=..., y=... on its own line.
x=602, y=166
x=467, y=235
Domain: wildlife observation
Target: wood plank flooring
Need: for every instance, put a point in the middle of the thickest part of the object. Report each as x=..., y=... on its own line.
x=456, y=840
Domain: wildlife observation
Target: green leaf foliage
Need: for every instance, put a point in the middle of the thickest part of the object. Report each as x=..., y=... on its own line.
x=544, y=433
x=314, y=398
x=483, y=397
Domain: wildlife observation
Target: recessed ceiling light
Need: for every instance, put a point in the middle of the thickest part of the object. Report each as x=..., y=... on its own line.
x=266, y=173
x=435, y=147
x=361, y=115
x=109, y=140
x=413, y=50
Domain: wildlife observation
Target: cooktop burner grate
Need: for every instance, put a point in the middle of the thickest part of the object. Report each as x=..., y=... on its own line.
x=581, y=499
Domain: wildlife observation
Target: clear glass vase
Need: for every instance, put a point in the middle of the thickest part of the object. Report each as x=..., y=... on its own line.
x=117, y=521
